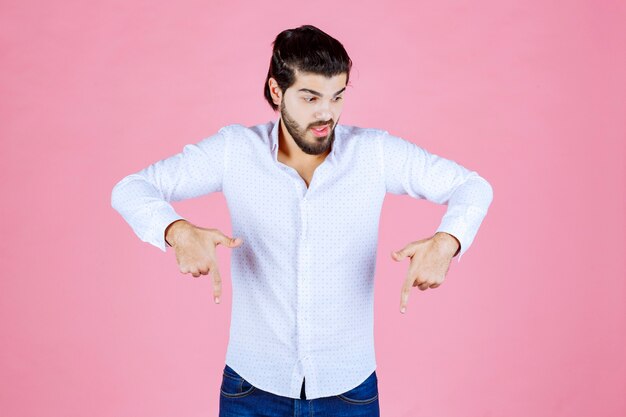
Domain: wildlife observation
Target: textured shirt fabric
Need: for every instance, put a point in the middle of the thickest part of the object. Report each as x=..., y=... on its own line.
x=303, y=281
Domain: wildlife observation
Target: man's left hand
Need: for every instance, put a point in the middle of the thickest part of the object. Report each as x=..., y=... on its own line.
x=430, y=261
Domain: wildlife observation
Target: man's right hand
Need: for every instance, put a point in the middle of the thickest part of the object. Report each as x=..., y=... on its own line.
x=195, y=250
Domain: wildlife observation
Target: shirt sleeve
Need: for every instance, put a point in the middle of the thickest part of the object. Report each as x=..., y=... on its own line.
x=143, y=198
x=410, y=169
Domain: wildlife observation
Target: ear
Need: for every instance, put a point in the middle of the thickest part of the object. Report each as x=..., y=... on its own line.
x=275, y=92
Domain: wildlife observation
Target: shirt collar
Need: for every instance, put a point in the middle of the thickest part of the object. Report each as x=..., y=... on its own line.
x=274, y=141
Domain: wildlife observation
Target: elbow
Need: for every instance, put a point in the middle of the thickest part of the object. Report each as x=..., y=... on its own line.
x=117, y=194
x=488, y=191
x=482, y=188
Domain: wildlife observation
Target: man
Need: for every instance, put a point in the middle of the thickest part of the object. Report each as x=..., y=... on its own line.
x=305, y=195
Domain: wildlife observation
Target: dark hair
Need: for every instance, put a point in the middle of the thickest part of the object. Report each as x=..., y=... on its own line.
x=306, y=49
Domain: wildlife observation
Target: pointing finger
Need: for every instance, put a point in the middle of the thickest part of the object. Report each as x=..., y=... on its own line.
x=217, y=284
x=404, y=295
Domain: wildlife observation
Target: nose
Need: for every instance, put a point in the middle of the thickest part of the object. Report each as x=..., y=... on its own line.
x=323, y=114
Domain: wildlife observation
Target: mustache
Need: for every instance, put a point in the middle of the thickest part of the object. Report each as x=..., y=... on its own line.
x=329, y=123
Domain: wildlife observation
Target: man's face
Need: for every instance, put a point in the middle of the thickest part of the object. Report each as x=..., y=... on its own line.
x=313, y=101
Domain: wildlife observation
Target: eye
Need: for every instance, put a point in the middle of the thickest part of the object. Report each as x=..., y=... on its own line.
x=309, y=99
x=338, y=98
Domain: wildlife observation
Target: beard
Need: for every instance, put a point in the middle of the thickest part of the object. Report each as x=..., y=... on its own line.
x=319, y=145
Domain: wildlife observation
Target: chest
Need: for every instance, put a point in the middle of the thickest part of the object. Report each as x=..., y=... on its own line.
x=306, y=174
x=305, y=171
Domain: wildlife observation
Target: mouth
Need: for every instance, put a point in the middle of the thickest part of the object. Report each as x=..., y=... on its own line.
x=320, y=131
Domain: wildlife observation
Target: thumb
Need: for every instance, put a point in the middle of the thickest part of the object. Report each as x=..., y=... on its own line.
x=228, y=241
x=399, y=255
x=233, y=242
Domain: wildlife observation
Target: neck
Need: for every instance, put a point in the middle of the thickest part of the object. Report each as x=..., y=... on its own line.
x=289, y=149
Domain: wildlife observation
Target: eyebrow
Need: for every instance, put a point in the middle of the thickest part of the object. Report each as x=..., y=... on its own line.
x=315, y=93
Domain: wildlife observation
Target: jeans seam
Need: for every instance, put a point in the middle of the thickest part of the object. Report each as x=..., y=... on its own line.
x=239, y=395
x=231, y=374
x=351, y=401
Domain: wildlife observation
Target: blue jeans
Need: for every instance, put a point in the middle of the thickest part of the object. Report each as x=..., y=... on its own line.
x=239, y=398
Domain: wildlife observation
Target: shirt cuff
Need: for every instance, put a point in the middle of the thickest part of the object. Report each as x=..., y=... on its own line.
x=462, y=223
x=160, y=220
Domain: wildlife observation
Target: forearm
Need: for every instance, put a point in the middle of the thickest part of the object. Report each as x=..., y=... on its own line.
x=143, y=207
x=467, y=207
x=143, y=198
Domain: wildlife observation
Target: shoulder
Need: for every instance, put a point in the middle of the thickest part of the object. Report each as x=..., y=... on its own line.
x=238, y=128
x=359, y=140
x=239, y=132
x=351, y=136
x=350, y=131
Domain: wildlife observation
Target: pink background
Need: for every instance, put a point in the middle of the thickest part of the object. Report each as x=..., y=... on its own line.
x=529, y=93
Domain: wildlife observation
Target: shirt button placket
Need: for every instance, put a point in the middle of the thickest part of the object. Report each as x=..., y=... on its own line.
x=304, y=268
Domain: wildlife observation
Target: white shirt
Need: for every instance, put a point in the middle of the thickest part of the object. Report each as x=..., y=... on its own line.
x=303, y=281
